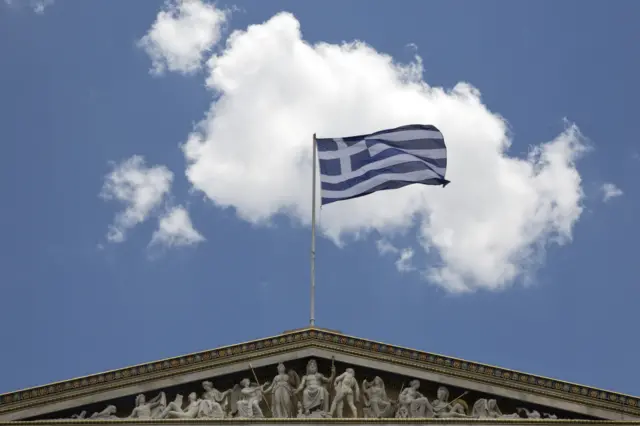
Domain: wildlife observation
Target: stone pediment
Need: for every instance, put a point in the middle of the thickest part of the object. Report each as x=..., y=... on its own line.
x=246, y=381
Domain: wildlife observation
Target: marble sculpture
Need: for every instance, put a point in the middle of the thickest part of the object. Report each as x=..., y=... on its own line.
x=310, y=397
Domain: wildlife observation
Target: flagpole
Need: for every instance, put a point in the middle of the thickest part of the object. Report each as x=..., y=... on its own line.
x=312, y=320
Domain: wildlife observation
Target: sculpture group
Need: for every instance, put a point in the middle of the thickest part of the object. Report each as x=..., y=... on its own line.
x=291, y=396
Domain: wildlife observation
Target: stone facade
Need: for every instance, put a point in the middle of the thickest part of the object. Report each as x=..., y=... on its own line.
x=315, y=374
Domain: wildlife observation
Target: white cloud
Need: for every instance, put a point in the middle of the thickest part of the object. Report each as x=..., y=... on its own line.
x=38, y=6
x=405, y=256
x=404, y=264
x=183, y=32
x=385, y=247
x=253, y=152
x=610, y=191
x=176, y=230
x=140, y=188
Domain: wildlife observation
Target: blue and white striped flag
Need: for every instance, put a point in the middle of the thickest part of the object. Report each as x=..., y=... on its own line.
x=359, y=165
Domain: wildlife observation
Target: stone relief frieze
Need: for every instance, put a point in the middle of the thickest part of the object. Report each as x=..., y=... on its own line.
x=314, y=395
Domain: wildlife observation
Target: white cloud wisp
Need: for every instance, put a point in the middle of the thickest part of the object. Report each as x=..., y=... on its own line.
x=176, y=230
x=140, y=188
x=143, y=190
x=405, y=255
x=38, y=6
x=273, y=90
x=610, y=191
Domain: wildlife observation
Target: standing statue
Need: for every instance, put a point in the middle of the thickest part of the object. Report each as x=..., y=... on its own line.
x=376, y=402
x=315, y=396
x=442, y=408
x=282, y=389
x=175, y=411
x=413, y=403
x=248, y=397
x=109, y=413
x=213, y=403
x=144, y=409
x=346, y=387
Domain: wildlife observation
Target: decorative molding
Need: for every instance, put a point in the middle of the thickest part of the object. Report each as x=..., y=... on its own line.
x=331, y=340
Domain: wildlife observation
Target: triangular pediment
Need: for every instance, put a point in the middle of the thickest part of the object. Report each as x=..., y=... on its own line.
x=474, y=390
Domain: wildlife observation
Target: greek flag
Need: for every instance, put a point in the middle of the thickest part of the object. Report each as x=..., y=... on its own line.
x=359, y=165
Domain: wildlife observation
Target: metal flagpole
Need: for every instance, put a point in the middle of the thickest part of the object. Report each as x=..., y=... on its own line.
x=312, y=320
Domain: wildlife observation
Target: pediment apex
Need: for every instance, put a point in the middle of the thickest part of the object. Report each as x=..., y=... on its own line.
x=324, y=345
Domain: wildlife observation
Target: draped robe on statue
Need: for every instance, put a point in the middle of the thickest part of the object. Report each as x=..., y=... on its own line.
x=213, y=404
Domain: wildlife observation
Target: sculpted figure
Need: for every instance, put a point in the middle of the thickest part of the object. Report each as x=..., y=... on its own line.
x=488, y=409
x=143, y=409
x=346, y=387
x=282, y=389
x=109, y=413
x=533, y=414
x=175, y=405
x=376, y=402
x=481, y=410
x=80, y=416
x=442, y=408
x=314, y=395
x=213, y=403
x=174, y=409
x=156, y=410
x=249, y=398
x=413, y=403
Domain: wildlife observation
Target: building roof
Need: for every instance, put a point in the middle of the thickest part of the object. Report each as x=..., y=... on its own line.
x=11, y=404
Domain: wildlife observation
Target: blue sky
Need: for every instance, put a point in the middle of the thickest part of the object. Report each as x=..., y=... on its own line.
x=522, y=263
